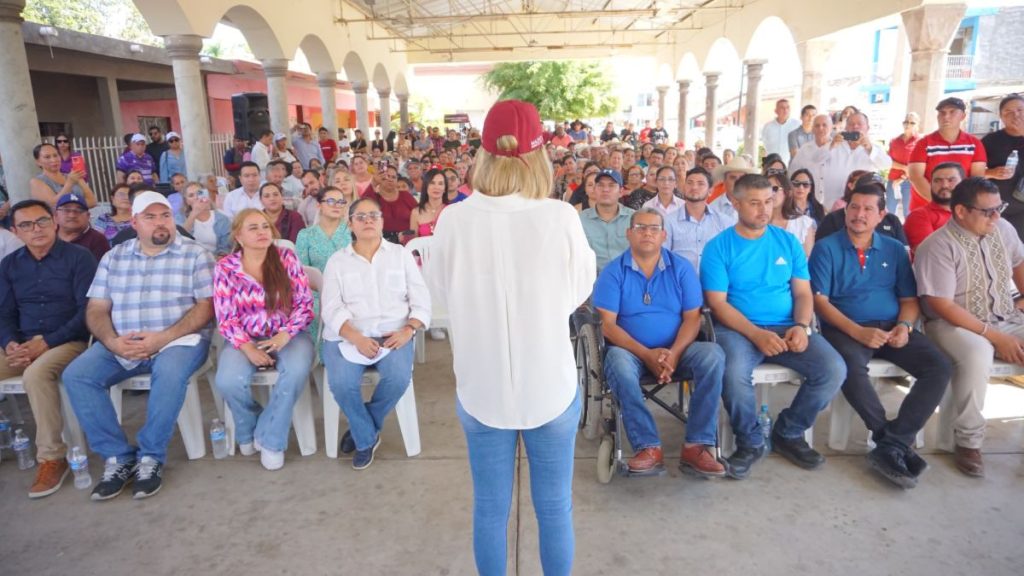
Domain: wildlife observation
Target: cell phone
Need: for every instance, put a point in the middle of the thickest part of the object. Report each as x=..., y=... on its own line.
x=203, y=194
x=273, y=366
x=77, y=164
x=851, y=136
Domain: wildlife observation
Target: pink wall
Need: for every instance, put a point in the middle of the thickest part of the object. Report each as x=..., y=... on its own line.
x=130, y=112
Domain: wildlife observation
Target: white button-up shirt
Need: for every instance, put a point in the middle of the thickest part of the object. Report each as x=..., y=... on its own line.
x=376, y=297
x=832, y=166
x=673, y=206
x=238, y=200
x=775, y=137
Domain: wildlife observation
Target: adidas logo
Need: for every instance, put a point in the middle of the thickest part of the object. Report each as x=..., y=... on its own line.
x=781, y=261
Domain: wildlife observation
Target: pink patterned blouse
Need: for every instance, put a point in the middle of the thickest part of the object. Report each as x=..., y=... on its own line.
x=240, y=301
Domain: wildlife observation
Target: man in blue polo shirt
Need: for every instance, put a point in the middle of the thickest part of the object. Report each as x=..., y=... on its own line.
x=866, y=297
x=649, y=300
x=756, y=282
x=606, y=221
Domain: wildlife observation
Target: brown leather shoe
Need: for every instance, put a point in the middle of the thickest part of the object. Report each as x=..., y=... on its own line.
x=700, y=459
x=646, y=460
x=49, y=478
x=968, y=461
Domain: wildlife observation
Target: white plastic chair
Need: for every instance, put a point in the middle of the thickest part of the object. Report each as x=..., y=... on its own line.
x=285, y=243
x=947, y=412
x=72, y=433
x=438, y=314
x=190, y=419
x=843, y=414
x=765, y=375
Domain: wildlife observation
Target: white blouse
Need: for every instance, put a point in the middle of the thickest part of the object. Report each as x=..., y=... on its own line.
x=510, y=271
x=800, y=227
x=376, y=296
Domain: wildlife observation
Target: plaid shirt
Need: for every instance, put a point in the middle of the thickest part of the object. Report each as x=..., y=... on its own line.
x=152, y=293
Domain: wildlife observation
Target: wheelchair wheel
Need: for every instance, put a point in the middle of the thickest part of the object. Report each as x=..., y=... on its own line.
x=588, y=358
x=605, y=460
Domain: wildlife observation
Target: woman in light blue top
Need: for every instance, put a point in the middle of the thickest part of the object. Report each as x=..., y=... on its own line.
x=172, y=161
x=317, y=243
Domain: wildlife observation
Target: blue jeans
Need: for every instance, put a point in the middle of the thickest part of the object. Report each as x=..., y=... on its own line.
x=704, y=361
x=890, y=197
x=365, y=419
x=821, y=366
x=267, y=425
x=492, y=460
x=88, y=380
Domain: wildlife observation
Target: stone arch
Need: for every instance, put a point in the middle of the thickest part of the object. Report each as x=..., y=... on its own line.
x=688, y=68
x=355, y=70
x=317, y=55
x=401, y=86
x=258, y=33
x=773, y=40
x=380, y=78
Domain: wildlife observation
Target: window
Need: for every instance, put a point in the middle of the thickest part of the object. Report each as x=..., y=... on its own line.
x=163, y=122
x=51, y=129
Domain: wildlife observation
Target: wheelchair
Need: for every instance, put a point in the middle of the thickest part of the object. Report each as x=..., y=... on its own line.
x=600, y=415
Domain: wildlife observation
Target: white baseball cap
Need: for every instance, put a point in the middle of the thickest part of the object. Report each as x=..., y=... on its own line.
x=138, y=138
x=146, y=199
x=172, y=135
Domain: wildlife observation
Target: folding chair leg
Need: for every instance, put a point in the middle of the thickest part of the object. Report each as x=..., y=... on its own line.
x=73, y=435
x=420, y=346
x=190, y=422
x=116, y=399
x=408, y=421
x=332, y=412
x=302, y=422
x=947, y=417
x=840, y=422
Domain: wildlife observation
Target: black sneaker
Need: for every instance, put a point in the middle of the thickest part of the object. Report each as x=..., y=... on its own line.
x=364, y=458
x=738, y=465
x=115, y=477
x=889, y=462
x=147, y=478
x=348, y=445
x=797, y=451
x=915, y=464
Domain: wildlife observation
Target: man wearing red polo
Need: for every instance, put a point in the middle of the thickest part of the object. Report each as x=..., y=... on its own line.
x=947, y=144
x=922, y=222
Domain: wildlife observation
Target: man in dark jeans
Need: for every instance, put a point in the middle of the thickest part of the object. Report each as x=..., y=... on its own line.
x=866, y=297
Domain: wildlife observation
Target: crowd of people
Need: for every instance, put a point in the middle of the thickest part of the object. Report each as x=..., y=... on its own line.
x=818, y=261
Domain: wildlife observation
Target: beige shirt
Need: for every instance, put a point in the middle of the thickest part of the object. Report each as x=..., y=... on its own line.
x=942, y=268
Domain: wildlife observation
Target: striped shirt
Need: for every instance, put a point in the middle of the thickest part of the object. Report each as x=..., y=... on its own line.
x=152, y=293
x=687, y=236
x=933, y=150
x=240, y=301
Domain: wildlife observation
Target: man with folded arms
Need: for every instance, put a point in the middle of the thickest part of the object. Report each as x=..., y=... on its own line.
x=966, y=274
x=649, y=300
x=866, y=298
x=42, y=327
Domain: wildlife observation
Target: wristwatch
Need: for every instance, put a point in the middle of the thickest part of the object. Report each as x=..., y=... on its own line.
x=910, y=327
x=807, y=329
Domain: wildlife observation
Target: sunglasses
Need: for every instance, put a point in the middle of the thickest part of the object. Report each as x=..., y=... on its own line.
x=175, y=140
x=62, y=141
x=801, y=184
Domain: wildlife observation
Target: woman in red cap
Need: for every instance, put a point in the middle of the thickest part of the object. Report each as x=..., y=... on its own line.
x=519, y=265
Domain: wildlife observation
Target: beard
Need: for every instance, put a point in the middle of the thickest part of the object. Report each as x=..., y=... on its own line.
x=161, y=237
x=942, y=200
x=701, y=198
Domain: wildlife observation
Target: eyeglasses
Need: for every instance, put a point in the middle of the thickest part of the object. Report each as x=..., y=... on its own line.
x=175, y=140
x=776, y=189
x=905, y=122
x=801, y=183
x=62, y=141
x=43, y=223
x=335, y=201
x=775, y=172
x=363, y=217
x=646, y=228
x=665, y=180
x=986, y=212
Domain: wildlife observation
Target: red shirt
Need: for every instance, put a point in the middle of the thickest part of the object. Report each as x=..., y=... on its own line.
x=330, y=148
x=922, y=222
x=899, y=151
x=933, y=150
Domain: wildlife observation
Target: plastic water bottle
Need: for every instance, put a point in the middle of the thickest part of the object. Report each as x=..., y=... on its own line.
x=219, y=439
x=5, y=431
x=764, y=421
x=80, y=467
x=1011, y=162
x=23, y=450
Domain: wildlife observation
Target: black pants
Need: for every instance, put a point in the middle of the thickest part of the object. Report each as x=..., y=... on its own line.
x=920, y=358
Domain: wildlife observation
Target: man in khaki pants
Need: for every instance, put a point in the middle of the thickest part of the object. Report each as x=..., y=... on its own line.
x=43, y=290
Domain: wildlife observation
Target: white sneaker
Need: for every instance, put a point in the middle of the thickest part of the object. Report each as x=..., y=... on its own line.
x=437, y=334
x=247, y=449
x=271, y=460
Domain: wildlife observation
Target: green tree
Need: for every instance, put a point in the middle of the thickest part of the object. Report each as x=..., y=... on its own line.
x=112, y=18
x=561, y=90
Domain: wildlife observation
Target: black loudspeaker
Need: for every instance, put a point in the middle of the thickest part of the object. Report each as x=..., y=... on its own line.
x=251, y=113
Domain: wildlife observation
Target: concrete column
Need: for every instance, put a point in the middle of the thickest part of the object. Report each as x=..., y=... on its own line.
x=750, y=126
x=662, y=91
x=362, y=109
x=814, y=55
x=710, y=108
x=275, y=69
x=403, y=111
x=110, y=105
x=327, y=82
x=385, y=112
x=19, y=125
x=684, y=93
x=930, y=30
x=192, y=111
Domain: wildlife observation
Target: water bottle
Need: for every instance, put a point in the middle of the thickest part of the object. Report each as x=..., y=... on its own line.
x=23, y=450
x=80, y=466
x=1011, y=163
x=5, y=431
x=219, y=439
x=764, y=421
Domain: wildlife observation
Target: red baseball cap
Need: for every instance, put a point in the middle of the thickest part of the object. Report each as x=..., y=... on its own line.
x=512, y=118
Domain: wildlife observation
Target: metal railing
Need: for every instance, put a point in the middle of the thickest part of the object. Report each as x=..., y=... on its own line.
x=101, y=154
x=959, y=66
